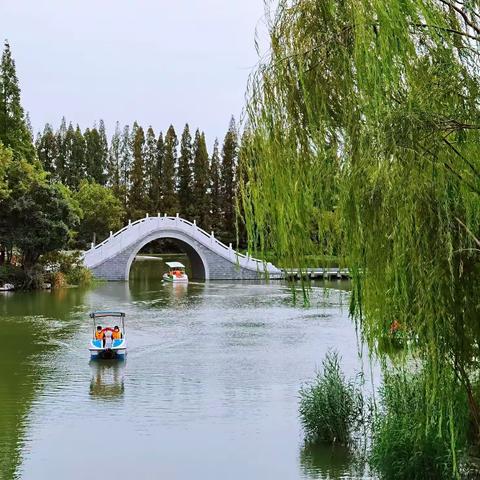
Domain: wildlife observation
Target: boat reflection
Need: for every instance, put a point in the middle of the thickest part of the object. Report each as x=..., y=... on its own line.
x=178, y=291
x=107, y=379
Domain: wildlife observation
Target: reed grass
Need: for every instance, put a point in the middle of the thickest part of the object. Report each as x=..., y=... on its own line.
x=412, y=436
x=330, y=406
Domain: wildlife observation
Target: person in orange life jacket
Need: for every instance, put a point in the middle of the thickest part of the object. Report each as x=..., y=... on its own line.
x=100, y=334
x=116, y=334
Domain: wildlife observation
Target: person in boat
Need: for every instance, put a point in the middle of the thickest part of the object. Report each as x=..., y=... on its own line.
x=116, y=334
x=100, y=334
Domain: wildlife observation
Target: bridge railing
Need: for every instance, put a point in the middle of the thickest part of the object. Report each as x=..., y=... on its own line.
x=124, y=237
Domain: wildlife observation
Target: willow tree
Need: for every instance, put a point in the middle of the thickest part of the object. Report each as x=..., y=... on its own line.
x=365, y=139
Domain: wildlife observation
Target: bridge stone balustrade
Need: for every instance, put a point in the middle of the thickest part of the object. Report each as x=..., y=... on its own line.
x=210, y=258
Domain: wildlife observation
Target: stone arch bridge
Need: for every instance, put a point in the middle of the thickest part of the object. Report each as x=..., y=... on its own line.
x=210, y=258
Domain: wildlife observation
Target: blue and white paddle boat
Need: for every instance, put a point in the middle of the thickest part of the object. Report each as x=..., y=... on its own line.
x=109, y=340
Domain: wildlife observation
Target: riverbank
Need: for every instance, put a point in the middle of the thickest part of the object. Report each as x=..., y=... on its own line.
x=54, y=270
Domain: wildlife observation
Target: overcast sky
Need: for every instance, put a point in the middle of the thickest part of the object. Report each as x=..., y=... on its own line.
x=157, y=62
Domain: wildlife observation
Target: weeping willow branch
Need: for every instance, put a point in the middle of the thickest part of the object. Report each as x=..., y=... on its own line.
x=470, y=233
x=363, y=144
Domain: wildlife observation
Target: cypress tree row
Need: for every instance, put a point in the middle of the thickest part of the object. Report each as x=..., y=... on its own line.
x=147, y=175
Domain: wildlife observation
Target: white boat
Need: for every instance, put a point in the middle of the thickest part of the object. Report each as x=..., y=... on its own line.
x=108, y=342
x=176, y=273
x=7, y=287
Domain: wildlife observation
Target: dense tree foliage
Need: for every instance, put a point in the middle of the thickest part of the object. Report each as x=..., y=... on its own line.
x=37, y=215
x=102, y=212
x=367, y=113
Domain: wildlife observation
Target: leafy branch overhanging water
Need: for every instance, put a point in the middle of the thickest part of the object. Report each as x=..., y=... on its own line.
x=363, y=141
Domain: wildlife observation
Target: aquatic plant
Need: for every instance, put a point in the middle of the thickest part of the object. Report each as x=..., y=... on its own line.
x=412, y=442
x=363, y=139
x=330, y=406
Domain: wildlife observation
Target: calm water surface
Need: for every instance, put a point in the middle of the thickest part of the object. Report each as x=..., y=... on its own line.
x=209, y=389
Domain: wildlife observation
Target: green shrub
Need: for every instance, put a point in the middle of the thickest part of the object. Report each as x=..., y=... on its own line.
x=330, y=407
x=79, y=276
x=70, y=265
x=410, y=437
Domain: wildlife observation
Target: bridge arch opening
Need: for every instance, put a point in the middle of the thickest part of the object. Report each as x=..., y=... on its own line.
x=198, y=263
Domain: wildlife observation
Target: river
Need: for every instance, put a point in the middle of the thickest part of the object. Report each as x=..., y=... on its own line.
x=209, y=389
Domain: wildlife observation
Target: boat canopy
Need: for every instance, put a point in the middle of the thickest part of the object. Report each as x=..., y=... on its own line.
x=175, y=264
x=101, y=314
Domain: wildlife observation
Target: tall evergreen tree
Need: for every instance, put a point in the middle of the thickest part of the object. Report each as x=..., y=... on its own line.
x=185, y=174
x=14, y=132
x=96, y=158
x=200, y=194
x=169, y=196
x=215, y=189
x=47, y=150
x=150, y=159
x=114, y=161
x=75, y=150
x=125, y=165
x=61, y=158
x=155, y=192
x=228, y=189
x=137, y=195
x=103, y=147
x=28, y=124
